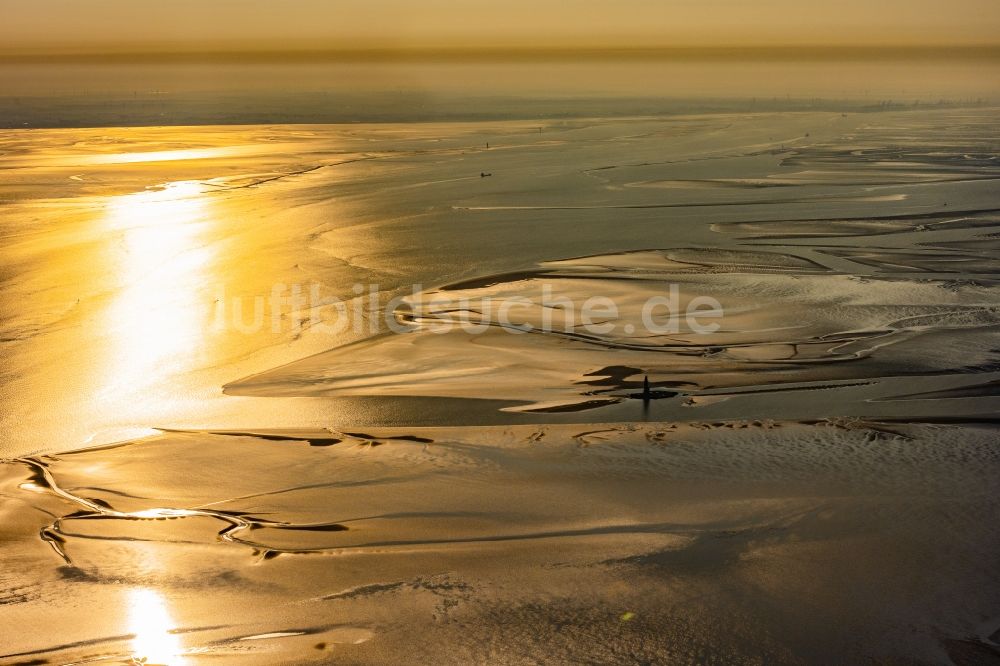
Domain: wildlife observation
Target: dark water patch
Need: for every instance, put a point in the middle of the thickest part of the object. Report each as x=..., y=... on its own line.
x=928, y=261
x=575, y=407
x=322, y=527
x=364, y=591
x=492, y=280
x=985, y=390
x=945, y=220
x=706, y=554
x=312, y=441
x=381, y=439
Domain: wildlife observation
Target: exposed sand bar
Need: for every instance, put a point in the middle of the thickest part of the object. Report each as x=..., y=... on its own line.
x=719, y=543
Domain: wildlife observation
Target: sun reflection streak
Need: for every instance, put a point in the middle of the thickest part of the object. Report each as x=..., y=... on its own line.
x=156, y=318
x=152, y=625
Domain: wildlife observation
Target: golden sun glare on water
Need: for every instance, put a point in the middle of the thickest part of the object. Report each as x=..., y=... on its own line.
x=152, y=627
x=156, y=317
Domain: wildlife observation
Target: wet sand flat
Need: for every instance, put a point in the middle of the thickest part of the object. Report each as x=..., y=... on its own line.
x=813, y=481
x=727, y=542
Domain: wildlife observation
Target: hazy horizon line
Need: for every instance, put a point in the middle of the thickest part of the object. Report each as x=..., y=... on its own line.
x=986, y=51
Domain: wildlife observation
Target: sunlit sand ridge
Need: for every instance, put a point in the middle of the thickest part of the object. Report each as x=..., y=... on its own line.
x=783, y=320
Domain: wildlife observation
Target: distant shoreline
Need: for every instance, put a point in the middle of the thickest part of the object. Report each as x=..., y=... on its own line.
x=507, y=54
x=122, y=110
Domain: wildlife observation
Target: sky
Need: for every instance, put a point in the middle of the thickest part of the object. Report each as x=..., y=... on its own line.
x=167, y=25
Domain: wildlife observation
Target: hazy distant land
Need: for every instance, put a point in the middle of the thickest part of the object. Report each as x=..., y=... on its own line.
x=203, y=88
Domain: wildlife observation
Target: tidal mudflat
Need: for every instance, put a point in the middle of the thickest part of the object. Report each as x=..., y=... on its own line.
x=813, y=480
